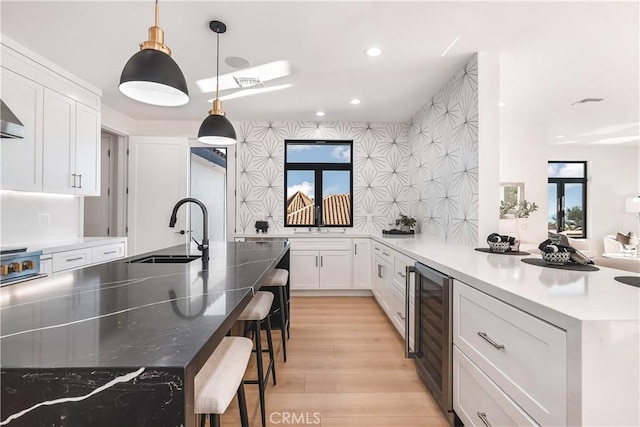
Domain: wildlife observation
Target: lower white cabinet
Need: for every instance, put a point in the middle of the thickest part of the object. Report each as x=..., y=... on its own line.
x=478, y=401
x=70, y=260
x=320, y=269
x=56, y=262
x=362, y=264
x=520, y=354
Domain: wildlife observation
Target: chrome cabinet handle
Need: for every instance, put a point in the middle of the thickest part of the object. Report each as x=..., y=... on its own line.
x=109, y=252
x=316, y=260
x=74, y=259
x=73, y=178
x=483, y=417
x=401, y=275
x=356, y=248
x=80, y=185
x=379, y=271
x=377, y=249
x=321, y=261
x=399, y=313
x=385, y=253
x=485, y=337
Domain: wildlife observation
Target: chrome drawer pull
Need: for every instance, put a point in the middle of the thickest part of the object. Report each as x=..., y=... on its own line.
x=109, y=252
x=74, y=259
x=400, y=315
x=401, y=275
x=483, y=417
x=484, y=336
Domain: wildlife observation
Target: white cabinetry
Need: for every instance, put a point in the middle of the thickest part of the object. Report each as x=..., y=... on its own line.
x=362, y=264
x=22, y=158
x=383, y=281
x=320, y=263
x=56, y=261
x=71, y=132
x=60, y=152
x=515, y=352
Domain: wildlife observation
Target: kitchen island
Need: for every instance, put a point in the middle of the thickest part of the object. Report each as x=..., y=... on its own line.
x=120, y=343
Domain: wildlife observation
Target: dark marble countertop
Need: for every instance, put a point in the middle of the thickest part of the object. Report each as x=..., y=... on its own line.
x=123, y=314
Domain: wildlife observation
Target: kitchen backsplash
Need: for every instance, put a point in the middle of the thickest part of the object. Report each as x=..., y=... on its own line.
x=379, y=166
x=33, y=217
x=443, y=160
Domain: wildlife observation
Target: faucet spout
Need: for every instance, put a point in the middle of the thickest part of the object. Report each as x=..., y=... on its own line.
x=204, y=245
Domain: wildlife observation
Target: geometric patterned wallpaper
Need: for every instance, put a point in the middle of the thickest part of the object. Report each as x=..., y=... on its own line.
x=427, y=167
x=443, y=160
x=380, y=181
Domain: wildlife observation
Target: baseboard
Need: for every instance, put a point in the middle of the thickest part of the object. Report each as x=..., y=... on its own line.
x=332, y=293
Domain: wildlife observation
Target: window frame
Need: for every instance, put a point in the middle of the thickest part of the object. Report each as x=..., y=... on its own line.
x=317, y=169
x=560, y=192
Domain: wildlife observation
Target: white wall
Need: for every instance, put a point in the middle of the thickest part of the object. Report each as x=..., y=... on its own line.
x=20, y=212
x=208, y=185
x=613, y=175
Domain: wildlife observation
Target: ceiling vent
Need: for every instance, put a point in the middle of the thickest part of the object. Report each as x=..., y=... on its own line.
x=245, y=82
x=585, y=100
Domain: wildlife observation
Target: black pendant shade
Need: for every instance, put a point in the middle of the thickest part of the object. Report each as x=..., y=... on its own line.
x=153, y=77
x=217, y=130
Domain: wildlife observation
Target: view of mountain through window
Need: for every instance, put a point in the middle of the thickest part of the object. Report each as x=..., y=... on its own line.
x=318, y=178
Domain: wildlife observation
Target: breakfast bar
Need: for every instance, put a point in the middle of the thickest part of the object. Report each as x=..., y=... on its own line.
x=120, y=343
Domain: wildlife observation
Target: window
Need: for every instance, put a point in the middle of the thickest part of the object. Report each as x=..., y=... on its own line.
x=567, y=198
x=318, y=176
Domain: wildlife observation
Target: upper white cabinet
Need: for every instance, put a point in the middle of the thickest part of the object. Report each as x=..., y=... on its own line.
x=22, y=158
x=71, y=157
x=60, y=152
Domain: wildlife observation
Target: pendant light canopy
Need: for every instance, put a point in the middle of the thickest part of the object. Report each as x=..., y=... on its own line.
x=216, y=129
x=151, y=76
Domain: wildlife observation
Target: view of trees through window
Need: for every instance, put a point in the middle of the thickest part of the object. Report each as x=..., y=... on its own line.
x=318, y=179
x=567, y=198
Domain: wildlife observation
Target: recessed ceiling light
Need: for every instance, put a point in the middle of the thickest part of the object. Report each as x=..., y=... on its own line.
x=373, y=51
x=355, y=101
x=450, y=46
x=320, y=113
x=501, y=104
x=237, y=62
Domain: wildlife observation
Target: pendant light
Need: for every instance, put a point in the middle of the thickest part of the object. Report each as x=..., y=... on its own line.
x=151, y=76
x=216, y=129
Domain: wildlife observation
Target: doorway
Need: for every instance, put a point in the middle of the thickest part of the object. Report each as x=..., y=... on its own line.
x=101, y=213
x=208, y=183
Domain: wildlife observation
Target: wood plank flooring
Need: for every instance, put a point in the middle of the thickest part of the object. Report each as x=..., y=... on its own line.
x=345, y=367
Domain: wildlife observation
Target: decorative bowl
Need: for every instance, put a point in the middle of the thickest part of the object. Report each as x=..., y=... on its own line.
x=556, y=258
x=499, y=246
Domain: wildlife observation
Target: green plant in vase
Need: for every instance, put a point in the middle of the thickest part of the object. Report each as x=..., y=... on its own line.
x=407, y=222
x=524, y=209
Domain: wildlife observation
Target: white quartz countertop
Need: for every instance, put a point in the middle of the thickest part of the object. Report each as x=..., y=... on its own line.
x=558, y=296
x=326, y=233
x=52, y=246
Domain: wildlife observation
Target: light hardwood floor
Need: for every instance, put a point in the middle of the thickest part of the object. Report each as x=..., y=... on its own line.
x=345, y=367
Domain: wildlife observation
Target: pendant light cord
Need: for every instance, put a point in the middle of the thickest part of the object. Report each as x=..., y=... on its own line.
x=157, y=9
x=217, y=63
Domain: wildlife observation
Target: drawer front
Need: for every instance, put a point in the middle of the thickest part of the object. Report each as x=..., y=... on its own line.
x=400, y=264
x=383, y=251
x=399, y=309
x=71, y=259
x=523, y=355
x=478, y=401
x=106, y=253
x=320, y=244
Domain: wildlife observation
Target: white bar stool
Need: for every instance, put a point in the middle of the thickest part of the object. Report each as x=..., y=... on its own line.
x=278, y=279
x=220, y=378
x=255, y=313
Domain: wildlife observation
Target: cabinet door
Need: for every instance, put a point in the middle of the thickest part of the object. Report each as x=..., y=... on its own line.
x=58, y=132
x=335, y=270
x=22, y=158
x=304, y=269
x=387, y=293
x=87, y=166
x=362, y=264
x=378, y=280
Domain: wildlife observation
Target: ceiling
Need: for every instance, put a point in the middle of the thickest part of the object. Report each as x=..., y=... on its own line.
x=552, y=54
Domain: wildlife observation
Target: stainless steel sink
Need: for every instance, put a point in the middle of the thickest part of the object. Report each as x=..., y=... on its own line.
x=165, y=259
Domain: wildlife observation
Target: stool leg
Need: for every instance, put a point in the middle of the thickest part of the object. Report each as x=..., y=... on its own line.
x=283, y=322
x=214, y=420
x=261, y=384
x=242, y=403
x=203, y=419
x=272, y=361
